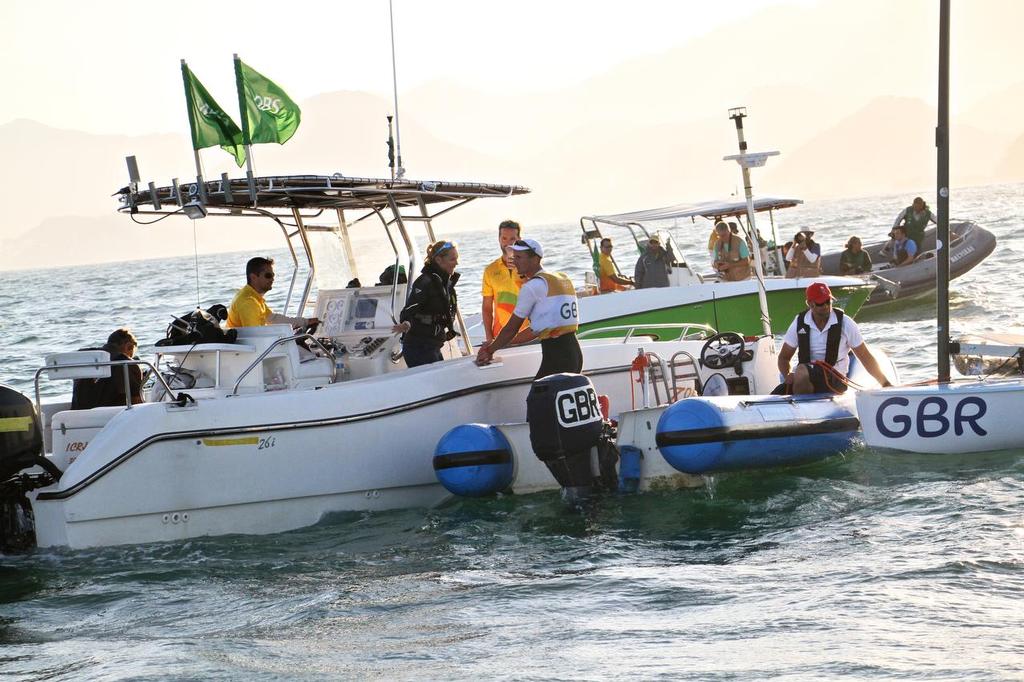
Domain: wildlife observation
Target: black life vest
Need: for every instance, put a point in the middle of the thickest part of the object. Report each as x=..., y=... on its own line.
x=803, y=338
x=431, y=306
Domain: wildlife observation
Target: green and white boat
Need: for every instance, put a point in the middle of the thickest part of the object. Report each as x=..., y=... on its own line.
x=695, y=298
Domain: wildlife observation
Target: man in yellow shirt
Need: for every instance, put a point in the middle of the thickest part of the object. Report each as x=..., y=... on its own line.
x=249, y=309
x=610, y=280
x=500, y=289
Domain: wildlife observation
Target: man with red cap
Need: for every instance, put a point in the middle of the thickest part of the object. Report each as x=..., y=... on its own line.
x=823, y=337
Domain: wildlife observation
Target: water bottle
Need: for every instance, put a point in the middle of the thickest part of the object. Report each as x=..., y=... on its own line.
x=340, y=367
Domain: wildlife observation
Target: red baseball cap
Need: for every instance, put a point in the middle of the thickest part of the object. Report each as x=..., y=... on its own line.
x=819, y=293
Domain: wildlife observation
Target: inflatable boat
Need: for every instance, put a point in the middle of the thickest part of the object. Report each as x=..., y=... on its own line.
x=971, y=245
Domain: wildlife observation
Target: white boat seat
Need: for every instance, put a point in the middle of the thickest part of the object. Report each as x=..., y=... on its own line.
x=71, y=431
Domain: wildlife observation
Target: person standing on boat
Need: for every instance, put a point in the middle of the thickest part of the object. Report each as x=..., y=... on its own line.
x=822, y=337
x=653, y=266
x=610, y=279
x=500, y=287
x=428, y=318
x=548, y=299
x=902, y=248
x=915, y=219
x=854, y=260
x=803, y=256
x=732, y=255
x=250, y=309
x=109, y=391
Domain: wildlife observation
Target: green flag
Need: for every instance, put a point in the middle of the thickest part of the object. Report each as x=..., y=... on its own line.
x=268, y=114
x=597, y=261
x=210, y=126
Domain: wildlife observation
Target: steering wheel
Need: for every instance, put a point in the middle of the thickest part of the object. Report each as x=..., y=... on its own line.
x=721, y=351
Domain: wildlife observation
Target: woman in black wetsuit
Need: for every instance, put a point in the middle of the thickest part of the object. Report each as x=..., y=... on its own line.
x=428, y=319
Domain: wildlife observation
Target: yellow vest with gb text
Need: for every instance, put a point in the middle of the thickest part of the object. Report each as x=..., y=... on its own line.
x=558, y=312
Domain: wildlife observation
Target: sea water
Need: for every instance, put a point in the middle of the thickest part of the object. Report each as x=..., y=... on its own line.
x=868, y=565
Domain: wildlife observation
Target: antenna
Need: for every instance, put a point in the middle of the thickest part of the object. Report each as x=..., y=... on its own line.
x=391, y=147
x=748, y=160
x=399, y=172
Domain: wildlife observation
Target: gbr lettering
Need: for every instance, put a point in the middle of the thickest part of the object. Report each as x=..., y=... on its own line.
x=933, y=417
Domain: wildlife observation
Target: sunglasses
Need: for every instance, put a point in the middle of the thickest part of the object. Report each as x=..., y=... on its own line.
x=444, y=247
x=268, y=275
x=606, y=246
x=823, y=304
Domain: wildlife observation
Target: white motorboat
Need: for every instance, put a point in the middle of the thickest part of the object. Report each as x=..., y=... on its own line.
x=268, y=437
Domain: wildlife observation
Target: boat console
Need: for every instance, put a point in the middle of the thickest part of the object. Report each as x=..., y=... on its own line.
x=358, y=323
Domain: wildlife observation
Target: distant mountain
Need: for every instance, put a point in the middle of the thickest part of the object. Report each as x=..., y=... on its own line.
x=57, y=184
x=72, y=240
x=650, y=131
x=888, y=146
x=999, y=112
x=1011, y=166
x=50, y=172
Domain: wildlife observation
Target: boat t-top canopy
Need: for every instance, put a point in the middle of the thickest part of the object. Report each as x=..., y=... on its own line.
x=292, y=201
x=713, y=210
x=310, y=192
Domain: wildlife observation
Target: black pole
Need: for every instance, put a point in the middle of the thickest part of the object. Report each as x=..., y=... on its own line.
x=942, y=201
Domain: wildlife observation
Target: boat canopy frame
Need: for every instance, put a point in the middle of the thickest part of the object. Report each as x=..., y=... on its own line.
x=293, y=200
x=635, y=221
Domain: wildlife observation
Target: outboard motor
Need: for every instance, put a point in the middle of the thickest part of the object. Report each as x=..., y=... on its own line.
x=566, y=424
x=21, y=439
x=21, y=448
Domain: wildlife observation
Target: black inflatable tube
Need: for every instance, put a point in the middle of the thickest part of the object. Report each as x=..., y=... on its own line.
x=468, y=459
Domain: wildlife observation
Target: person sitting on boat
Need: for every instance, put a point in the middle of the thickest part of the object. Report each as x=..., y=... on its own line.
x=387, y=276
x=803, y=256
x=109, y=391
x=548, y=299
x=854, y=260
x=732, y=255
x=610, y=279
x=249, y=309
x=902, y=248
x=915, y=219
x=822, y=337
x=428, y=318
x=500, y=287
x=653, y=266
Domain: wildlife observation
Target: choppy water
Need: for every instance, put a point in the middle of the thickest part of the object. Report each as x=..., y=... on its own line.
x=864, y=566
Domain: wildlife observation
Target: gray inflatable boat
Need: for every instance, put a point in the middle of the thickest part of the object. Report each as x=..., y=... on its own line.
x=971, y=245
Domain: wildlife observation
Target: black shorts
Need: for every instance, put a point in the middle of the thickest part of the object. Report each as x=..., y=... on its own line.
x=824, y=383
x=561, y=354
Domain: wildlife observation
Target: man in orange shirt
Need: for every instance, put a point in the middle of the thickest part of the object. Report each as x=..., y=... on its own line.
x=500, y=289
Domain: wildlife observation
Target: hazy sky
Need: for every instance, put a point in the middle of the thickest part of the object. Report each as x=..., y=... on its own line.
x=114, y=66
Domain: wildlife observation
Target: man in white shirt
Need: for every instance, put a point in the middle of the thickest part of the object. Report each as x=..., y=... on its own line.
x=548, y=299
x=824, y=338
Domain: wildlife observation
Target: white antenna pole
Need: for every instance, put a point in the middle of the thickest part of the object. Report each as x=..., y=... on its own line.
x=747, y=160
x=400, y=171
